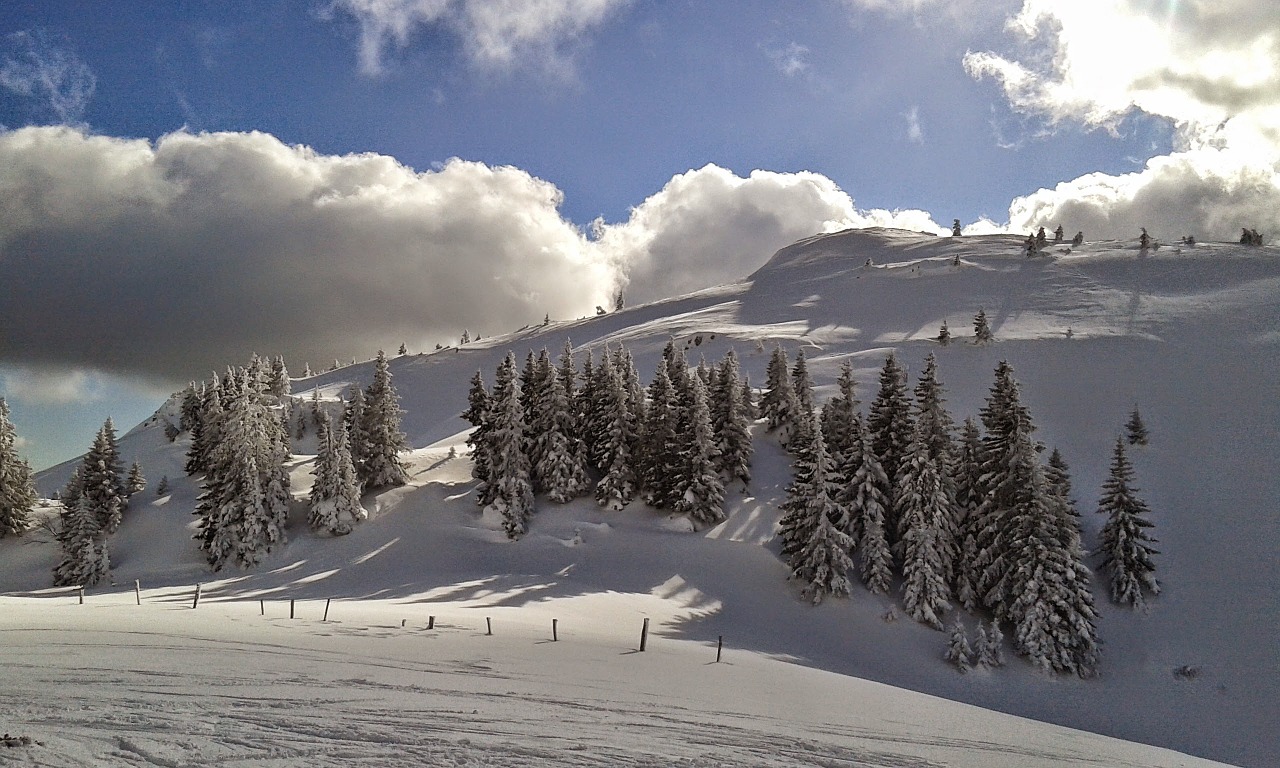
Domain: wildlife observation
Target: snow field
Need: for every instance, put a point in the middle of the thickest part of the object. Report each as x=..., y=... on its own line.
x=111, y=683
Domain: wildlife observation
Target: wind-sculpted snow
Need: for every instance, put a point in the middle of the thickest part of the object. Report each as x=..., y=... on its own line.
x=1187, y=334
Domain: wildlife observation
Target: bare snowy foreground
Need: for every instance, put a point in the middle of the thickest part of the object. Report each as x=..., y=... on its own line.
x=1191, y=335
x=110, y=683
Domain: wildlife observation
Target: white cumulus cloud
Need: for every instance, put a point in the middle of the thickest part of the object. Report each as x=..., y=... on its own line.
x=171, y=258
x=1209, y=67
x=710, y=226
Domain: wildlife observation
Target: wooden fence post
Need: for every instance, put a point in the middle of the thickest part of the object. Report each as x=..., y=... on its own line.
x=488, y=623
x=554, y=636
x=719, y=647
x=431, y=622
x=196, y=602
x=644, y=635
x=137, y=590
x=291, y=607
x=82, y=595
x=262, y=607
x=326, y=609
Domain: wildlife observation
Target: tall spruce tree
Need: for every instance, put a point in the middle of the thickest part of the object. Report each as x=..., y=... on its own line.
x=85, y=561
x=841, y=421
x=511, y=487
x=561, y=460
x=1136, y=429
x=382, y=466
x=280, y=385
x=477, y=415
x=335, y=494
x=933, y=428
x=967, y=473
x=802, y=384
x=779, y=404
x=890, y=424
x=699, y=489
x=924, y=541
x=1125, y=545
x=818, y=550
x=866, y=497
x=731, y=422
x=618, y=485
x=659, y=460
x=981, y=328
x=101, y=483
x=17, y=491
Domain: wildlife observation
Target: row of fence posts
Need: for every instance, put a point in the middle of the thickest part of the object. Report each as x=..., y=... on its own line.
x=431, y=620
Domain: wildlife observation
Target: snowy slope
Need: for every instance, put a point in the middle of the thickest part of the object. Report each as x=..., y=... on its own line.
x=112, y=683
x=1190, y=335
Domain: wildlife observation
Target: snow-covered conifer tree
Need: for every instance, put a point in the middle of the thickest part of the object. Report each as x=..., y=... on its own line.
x=101, y=483
x=385, y=442
x=933, y=427
x=698, y=487
x=731, y=421
x=85, y=561
x=1124, y=542
x=1135, y=429
x=335, y=494
x=477, y=414
x=944, y=334
x=981, y=328
x=511, y=486
x=923, y=513
x=136, y=482
x=866, y=499
x=618, y=485
x=162, y=487
x=17, y=492
x=989, y=649
x=205, y=429
x=841, y=421
x=354, y=419
x=891, y=427
x=779, y=404
x=816, y=550
x=802, y=384
x=562, y=463
x=659, y=460
x=958, y=651
x=967, y=474
x=280, y=385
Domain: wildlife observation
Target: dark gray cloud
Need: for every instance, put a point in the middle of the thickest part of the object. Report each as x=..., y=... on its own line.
x=167, y=260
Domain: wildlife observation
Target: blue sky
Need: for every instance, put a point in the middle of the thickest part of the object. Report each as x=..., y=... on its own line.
x=649, y=117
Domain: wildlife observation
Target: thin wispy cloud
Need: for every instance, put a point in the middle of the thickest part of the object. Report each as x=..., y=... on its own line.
x=496, y=34
x=915, y=133
x=791, y=59
x=44, y=69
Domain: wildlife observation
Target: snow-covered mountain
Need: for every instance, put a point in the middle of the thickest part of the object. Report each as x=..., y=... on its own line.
x=1188, y=334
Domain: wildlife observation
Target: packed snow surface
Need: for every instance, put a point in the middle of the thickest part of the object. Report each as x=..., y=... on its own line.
x=1190, y=335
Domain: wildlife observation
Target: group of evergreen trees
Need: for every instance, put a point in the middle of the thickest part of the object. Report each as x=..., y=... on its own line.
x=552, y=429
x=972, y=518
x=239, y=427
x=93, y=506
x=17, y=491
